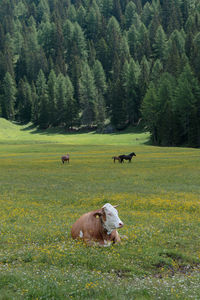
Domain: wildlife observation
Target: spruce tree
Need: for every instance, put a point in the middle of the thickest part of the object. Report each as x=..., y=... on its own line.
x=41, y=113
x=131, y=73
x=87, y=90
x=71, y=108
x=9, y=97
x=187, y=107
x=129, y=14
x=61, y=91
x=165, y=124
x=160, y=45
x=150, y=112
x=24, y=101
x=101, y=87
x=51, y=90
x=133, y=41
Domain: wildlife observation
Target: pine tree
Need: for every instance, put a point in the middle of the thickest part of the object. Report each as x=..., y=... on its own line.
x=34, y=110
x=9, y=97
x=93, y=23
x=87, y=92
x=101, y=87
x=42, y=9
x=81, y=15
x=46, y=34
x=187, y=108
x=176, y=53
x=150, y=112
x=61, y=91
x=130, y=14
x=79, y=44
x=72, y=13
x=119, y=116
x=9, y=55
x=160, y=45
x=154, y=24
x=113, y=41
x=196, y=55
x=117, y=12
x=157, y=70
x=165, y=125
x=68, y=35
x=146, y=14
x=102, y=53
x=144, y=76
x=24, y=99
x=131, y=73
x=143, y=47
x=71, y=109
x=51, y=90
x=41, y=113
x=106, y=8
x=133, y=41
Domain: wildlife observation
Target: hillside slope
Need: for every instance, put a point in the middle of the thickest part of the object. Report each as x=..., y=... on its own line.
x=14, y=133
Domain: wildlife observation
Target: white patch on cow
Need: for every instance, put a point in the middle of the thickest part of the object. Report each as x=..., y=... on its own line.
x=107, y=243
x=81, y=234
x=112, y=219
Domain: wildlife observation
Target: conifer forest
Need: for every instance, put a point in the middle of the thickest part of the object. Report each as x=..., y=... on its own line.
x=84, y=63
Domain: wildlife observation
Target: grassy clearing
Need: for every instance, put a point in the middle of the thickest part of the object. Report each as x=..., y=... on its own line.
x=40, y=198
x=13, y=133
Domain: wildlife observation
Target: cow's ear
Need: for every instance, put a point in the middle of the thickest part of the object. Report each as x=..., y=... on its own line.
x=115, y=205
x=98, y=213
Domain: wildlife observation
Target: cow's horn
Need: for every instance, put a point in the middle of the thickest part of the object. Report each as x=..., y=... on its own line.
x=115, y=205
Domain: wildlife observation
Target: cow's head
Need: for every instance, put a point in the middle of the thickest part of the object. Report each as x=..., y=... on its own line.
x=111, y=219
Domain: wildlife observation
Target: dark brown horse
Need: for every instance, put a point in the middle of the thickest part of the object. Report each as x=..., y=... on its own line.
x=126, y=157
x=116, y=158
x=65, y=158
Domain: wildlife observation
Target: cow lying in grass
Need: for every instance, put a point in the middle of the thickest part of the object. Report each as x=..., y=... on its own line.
x=98, y=226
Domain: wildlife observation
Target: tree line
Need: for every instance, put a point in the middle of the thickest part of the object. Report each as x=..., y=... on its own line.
x=75, y=63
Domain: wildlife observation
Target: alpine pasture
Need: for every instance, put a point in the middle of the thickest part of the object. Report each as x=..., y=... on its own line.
x=40, y=198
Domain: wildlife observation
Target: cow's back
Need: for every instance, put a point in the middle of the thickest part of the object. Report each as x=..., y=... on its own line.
x=87, y=227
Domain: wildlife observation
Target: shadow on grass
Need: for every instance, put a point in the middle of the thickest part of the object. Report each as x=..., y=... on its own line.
x=49, y=131
x=61, y=130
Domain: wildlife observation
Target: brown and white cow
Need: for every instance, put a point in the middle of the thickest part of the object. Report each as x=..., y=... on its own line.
x=98, y=226
x=65, y=158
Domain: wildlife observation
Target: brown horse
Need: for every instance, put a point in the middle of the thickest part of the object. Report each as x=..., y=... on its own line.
x=65, y=158
x=116, y=158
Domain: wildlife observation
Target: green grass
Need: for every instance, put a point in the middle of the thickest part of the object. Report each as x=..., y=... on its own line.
x=158, y=197
x=13, y=133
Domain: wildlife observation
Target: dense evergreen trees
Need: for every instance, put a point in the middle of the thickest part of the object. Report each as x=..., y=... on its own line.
x=82, y=62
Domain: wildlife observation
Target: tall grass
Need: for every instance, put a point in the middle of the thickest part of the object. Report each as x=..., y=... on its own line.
x=40, y=198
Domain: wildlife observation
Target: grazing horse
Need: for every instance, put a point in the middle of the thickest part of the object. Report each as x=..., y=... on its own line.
x=65, y=158
x=116, y=158
x=126, y=157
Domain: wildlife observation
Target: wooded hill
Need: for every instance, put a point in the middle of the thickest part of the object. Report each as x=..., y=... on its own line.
x=81, y=62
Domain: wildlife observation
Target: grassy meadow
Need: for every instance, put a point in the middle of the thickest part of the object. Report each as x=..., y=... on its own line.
x=159, y=202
